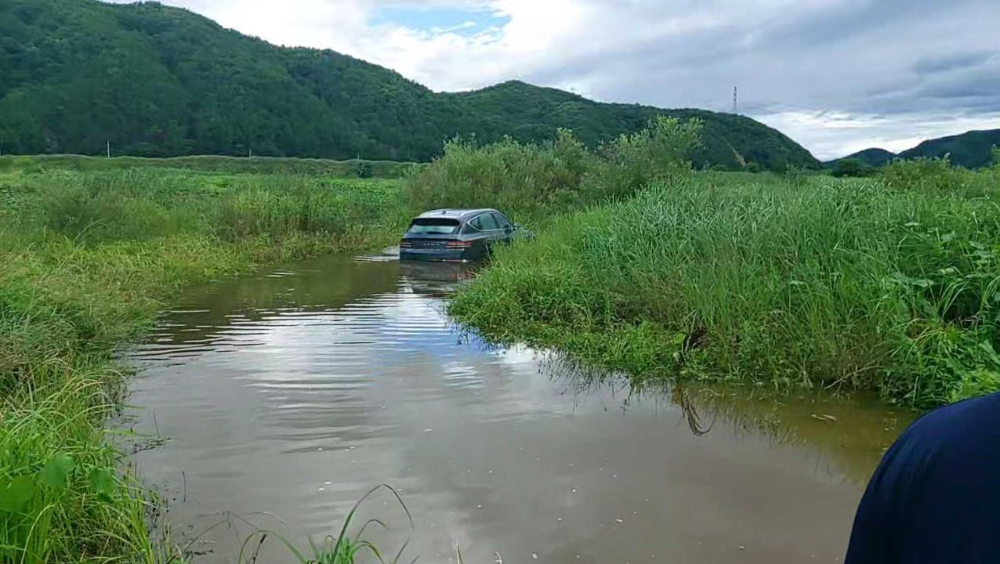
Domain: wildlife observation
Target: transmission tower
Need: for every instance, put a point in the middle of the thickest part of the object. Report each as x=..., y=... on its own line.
x=736, y=100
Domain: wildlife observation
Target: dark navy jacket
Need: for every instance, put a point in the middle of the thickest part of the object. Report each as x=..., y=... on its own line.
x=935, y=497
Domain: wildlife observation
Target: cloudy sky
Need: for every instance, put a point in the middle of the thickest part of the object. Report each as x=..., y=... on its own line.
x=835, y=75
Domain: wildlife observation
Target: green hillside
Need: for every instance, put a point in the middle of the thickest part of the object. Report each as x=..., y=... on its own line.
x=869, y=157
x=971, y=150
x=158, y=81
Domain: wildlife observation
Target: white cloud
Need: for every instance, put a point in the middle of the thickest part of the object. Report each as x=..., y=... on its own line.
x=833, y=74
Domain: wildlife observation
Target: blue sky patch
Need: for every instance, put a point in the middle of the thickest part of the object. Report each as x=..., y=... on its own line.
x=438, y=19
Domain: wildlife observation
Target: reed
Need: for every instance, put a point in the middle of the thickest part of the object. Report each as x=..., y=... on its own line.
x=874, y=284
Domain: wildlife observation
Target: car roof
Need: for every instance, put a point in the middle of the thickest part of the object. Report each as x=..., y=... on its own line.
x=459, y=214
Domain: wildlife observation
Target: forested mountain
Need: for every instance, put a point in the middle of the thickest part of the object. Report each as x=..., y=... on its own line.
x=869, y=157
x=161, y=81
x=971, y=150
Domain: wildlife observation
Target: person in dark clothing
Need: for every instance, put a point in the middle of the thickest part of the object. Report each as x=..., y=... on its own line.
x=935, y=496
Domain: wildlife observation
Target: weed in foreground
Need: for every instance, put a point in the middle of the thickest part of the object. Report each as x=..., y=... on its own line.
x=342, y=549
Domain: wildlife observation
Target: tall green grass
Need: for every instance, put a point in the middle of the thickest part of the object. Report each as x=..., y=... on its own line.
x=89, y=258
x=885, y=284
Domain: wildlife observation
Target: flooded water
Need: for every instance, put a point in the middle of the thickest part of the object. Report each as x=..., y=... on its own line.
x=282, y=397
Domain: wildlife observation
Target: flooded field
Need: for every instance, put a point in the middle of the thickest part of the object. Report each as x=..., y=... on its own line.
x=281, y=398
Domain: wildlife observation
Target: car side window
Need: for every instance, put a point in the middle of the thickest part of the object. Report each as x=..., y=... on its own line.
x=487, y=221
x=502, y=222
x=474, y=226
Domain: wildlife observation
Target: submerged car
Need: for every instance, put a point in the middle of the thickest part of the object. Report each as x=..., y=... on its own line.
x=456, y=235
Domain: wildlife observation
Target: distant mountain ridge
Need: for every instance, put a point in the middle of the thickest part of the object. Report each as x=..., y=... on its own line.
x=973, y=149
x=873, y=157
x=160, y=81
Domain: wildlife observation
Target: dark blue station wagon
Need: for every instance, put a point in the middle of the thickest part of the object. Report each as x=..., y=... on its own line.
x=455, y=235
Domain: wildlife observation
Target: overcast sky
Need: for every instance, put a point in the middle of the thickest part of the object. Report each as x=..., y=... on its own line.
x=835, y=75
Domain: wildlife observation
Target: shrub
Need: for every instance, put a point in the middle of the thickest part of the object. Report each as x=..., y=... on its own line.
x=925, y=174
x=655, y=154
x=364, y=169
x=530, y=178
x=507, y=174
x=850, y=168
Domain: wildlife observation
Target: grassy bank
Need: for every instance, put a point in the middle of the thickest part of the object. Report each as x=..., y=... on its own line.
x=90, y=257
x=215, y=164
x=886, y=284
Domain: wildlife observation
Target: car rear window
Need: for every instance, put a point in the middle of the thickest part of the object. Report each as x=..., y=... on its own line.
x=434, y=226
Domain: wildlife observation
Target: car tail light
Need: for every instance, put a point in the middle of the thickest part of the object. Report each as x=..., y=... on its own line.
x=459, y=244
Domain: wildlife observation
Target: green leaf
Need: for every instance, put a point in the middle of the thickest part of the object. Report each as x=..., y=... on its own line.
x=678, y=339
x=17, y=494
x=55, y=474
x=987, y=347
x=102, y=482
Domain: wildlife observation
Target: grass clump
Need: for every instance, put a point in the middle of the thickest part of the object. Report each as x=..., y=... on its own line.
x=860, y=284
x=89, y=259
x=345, y=548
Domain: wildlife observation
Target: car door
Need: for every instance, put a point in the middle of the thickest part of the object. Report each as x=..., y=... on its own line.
x=505, y=227
x=490, y=227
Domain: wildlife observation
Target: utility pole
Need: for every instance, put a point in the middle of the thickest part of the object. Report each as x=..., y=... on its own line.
x=736, y=100
x=109, y=149
x=249, y=153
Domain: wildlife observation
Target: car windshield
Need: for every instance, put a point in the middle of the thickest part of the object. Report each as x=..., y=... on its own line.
x=434, y=226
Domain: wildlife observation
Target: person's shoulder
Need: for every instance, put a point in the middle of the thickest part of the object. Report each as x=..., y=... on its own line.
x=979, y=414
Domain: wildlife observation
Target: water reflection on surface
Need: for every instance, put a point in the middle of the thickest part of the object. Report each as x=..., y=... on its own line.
x=286, y=395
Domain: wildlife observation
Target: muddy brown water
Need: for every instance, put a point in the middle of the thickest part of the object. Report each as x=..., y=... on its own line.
x=282, y=397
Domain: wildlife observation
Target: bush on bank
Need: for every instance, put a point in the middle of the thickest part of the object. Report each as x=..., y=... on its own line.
x=538, y=180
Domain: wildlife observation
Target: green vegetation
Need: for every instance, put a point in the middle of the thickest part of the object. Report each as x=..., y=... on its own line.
x=158, y=81
x=869, y=158
x=88, y=259
x=218, y=165
x=341, y=549
x=536, y=180
x=969, y=150
x=851, y=168
x=886, y=284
